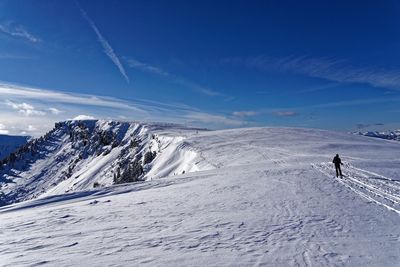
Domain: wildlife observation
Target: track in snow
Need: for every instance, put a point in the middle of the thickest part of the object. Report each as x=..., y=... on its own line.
x=369, y=185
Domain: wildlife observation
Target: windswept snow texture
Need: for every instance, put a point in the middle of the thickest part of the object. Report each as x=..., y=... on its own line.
x=258, y=197
x=9, y=143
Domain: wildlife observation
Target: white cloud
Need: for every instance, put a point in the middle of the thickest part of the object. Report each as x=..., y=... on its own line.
x=31, y=128
x=83, y=117
x=54, y=111
x=25, y=109
x=72, y=105
x=213, y=119
x=104, y=43
x=17, y=123
x=3, y=129
x=244, y=113
x=19, y=32
x=34, y=94
x=285, y=113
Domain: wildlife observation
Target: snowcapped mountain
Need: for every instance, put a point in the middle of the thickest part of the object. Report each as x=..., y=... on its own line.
x=80, y=155
x=389, y=135
x=9, y=143
x=247, y=197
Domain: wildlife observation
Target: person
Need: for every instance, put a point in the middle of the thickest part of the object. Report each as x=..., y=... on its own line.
x=337, y=161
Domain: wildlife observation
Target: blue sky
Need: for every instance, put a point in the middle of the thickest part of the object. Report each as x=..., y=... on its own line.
x=217, y=64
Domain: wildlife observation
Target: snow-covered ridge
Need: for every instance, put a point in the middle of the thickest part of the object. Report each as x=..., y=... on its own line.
x=80, y=155
x=388, y=135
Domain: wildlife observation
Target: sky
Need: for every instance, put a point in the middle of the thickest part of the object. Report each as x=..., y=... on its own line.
x=217, y=64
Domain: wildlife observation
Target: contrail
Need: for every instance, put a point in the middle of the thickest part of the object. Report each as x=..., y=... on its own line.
x=106, y=46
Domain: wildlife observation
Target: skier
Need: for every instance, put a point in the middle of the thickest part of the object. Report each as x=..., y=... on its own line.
x=337, y=161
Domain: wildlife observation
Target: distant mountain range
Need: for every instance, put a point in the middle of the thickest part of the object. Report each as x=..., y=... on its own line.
x=389, y=135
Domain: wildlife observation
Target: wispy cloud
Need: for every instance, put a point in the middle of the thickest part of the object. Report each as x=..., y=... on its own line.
x=133, y=63
x=217, y=121
x=27, y=106
x=18, y=31
x=23, y=92
x=145, y=67
x=54, y=111
x=243, y=114
x=304, y=111
x=286, y=113
x=337, y=70
x=108, y=50
x=357, y=102
x=31, y=128
x=266, y=111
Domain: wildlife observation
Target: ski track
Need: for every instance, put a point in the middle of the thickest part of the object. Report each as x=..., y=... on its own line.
x=383, y=191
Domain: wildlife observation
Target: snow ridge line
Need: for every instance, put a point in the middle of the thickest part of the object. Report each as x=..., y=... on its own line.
x=322, y=167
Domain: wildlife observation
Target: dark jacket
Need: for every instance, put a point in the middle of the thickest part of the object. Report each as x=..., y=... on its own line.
x=337, y=161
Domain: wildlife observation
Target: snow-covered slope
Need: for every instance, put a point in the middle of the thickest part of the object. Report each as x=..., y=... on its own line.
x=80, y=155
x=259, y=196
x=8, y=143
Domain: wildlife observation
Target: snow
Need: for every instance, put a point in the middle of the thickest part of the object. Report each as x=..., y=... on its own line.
x=256, y=196
x=389, y=135
x=65, y=164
